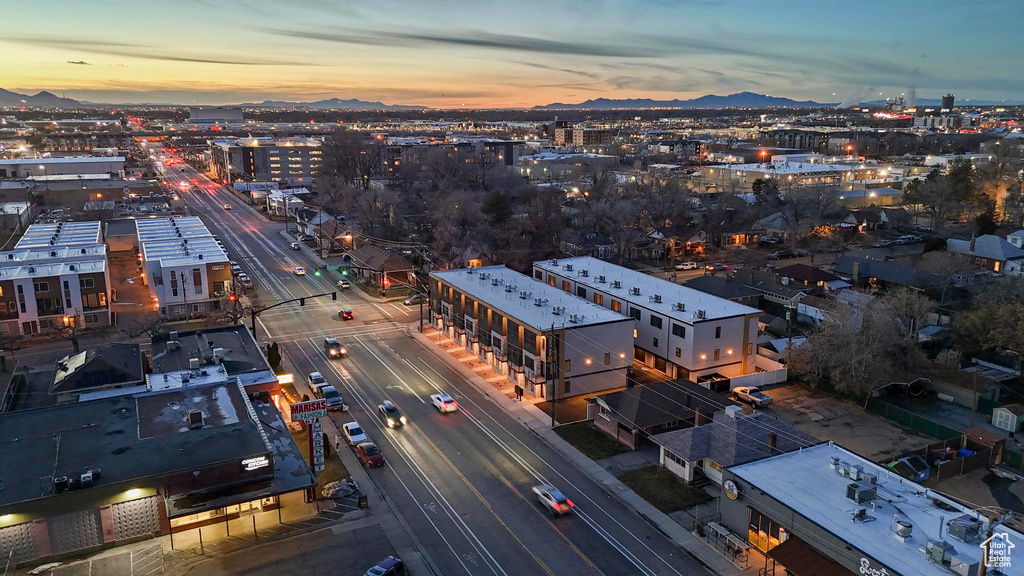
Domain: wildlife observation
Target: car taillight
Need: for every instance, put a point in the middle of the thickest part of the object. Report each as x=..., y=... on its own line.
x=569, y=502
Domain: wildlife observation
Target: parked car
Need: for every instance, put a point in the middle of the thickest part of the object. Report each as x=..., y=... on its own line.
x=353, y=433
x=444, y=403
x=299, y=271
x=315, y=380
x=346, y=314
x=768, y=241
x=906, y=239
x=882, y=244
x=333, y=397
x=334, y=348
x=235, y=268
x=390, y=414
x=343, y=284
x=389, y=566
x=370, y=455
x=686, y=266
x=414, y=299
x=553, y=499
x=245, y=280
x=294, y=246
x=751, y=395
x=782, y=254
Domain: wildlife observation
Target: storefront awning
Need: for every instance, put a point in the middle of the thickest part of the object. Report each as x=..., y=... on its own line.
x=800, y=559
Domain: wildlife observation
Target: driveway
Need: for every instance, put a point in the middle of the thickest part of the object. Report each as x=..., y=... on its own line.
x=845, y=423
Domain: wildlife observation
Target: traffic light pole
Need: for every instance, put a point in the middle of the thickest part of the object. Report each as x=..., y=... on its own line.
x=253, y=312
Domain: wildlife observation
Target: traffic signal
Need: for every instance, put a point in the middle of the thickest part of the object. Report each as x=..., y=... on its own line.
x=334, y=296
x=344, y=271
x=233, y=298
x=387, y=282
x=316, y=273
x=302, y=301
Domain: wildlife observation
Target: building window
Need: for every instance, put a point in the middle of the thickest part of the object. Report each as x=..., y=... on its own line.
x=717, y=353
x=750, y=349
x=617, y=306
x=86, y=283
x=565, y=285
x=567, y=365
x=91, y=319
x=41, y=286
x=656, y=321
x=196, y=308
x=581, y=292
x=607, y=358
x=566, y=386
x=551, y=280
x=679, y=330
x=538, y=274
x=679, y=352
x=718, y=331
x=598, y=299
x=174, y=284
x=634, y=312
x=655, y=342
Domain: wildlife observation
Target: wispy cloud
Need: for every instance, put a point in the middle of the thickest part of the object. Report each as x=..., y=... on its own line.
x=549, y=68
x=79, y=62
x=510, y=42
x=144, y=52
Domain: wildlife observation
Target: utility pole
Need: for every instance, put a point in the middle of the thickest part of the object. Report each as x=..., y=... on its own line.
x=184, y=294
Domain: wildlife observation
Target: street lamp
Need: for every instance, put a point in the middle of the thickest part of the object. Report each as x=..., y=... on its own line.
x=46, y=176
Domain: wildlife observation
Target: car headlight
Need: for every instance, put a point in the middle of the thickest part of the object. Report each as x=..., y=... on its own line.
x=403, y=419
x=391, y=422
x=344, y=351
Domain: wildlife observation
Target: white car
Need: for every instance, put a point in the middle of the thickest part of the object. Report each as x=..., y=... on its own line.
x=553, y=499
x=751, y=395
x=315, y=380
x=294, y=245
x=299, y=271
x=353, y=433
x=444, y=403
x=686, y=266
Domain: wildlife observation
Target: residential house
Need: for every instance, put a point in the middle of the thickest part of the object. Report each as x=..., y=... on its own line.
x=307, y=220
x=636, y=413
x=381, y=268
x=812, y=309
x=868, y=273
x=778, y=349
x=772, y=287
x=874, y=217
x=989, y=251
x=773, y=226
x=727, y=288
x=588, y=243
x=731, y=438
x=807, y=276
x=1016, y=238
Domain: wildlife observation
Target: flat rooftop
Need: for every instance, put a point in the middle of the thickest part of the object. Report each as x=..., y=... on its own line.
x=181, y=251
x=517, y=296
x=41, y=254
x=61, y=234
x=229, y=346
x=793, y=168
x=169, y=228
x=805, y=482
x=63, y=160
x=715, y=308
x=31, y=270
x=127, y=437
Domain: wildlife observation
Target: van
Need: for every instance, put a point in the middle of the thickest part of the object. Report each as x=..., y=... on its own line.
x=906, y=239
x=389, y=566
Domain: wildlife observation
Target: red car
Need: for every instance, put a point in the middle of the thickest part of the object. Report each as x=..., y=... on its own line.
x=369, y=454
x=346, y=314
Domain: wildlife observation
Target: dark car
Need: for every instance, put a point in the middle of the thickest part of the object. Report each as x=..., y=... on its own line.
x=414, y=299
x=346, y=314
x=782, y=254
x=391, y=415
x=389, y=566
x=369, y=454
x=334, y=348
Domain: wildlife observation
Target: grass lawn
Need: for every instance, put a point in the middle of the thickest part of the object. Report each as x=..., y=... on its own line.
x=333, y=470
x=663, y=489
x=589, y=440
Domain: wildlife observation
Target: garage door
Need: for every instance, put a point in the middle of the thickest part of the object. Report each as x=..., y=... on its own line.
x=74, y=531
x=136, y=518
x=19, y=539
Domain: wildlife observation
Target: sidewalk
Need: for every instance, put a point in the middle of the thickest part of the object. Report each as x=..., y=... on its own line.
x=536, y=420
x=407, y=546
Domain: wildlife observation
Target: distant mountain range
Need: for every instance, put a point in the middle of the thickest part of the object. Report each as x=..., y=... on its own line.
x=333, y=104
x=42, y=99
x=738, y=100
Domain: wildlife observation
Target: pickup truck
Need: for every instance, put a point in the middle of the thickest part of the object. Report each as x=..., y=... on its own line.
x=751, y=395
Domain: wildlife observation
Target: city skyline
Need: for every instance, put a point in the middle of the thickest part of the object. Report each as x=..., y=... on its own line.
x=505, y=55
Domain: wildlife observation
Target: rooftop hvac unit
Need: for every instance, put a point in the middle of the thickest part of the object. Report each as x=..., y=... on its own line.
x=679, y=307
x=904, y=529
x=195, y=419
x=938, y=551
x=510, y=288
x=616, y=284
x=86, y=479
x=833, y=462
x=568, y=267
x=855, y=471
x=657, y=298
x=557, y=310
x=553, y=262
x=964, y=566
x=842, y=469
x=60, y=484
x=634, y=291
x=497, y=281
x=71, y=267
x=523, y=295
x=869, y=477
x=965, y=528
x=53, y=253
x=700, y=314
x=470, y=270
x=173, y=345
x=860, y=493
x=600, y=279
x=193, y=363
x=584, y=273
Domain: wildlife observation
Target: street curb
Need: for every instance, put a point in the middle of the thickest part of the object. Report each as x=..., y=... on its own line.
x=693, y=547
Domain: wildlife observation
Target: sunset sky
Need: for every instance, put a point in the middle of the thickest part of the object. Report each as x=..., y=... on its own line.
x=510, y=53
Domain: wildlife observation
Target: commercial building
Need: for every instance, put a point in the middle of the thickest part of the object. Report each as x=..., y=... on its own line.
x=534, y=334
x=231, y=347
x=682, y=332
x=294, y=161
x=64, y=234
x=188, y=273
x=188, y=450
x=581, y=136
x=86, y=142
x=823, y=510
x=46, y=167
x=214, y=115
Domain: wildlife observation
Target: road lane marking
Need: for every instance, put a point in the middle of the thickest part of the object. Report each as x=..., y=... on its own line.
x=401, y=311
x=389, y=314
x=399, y=378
